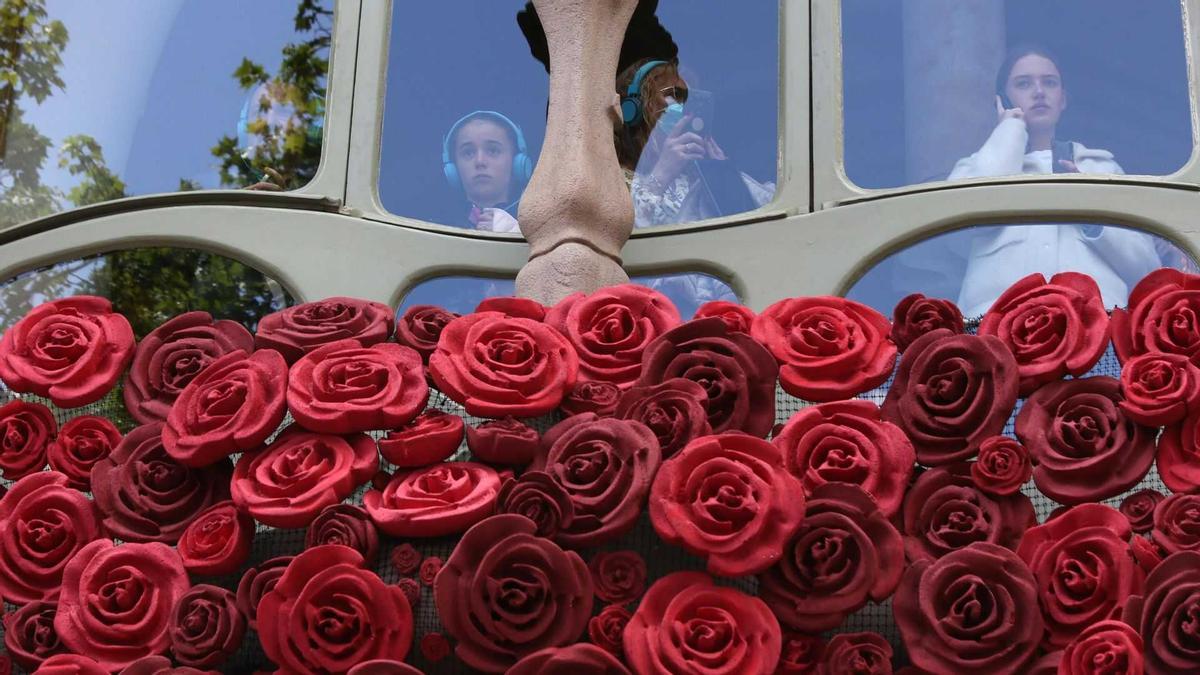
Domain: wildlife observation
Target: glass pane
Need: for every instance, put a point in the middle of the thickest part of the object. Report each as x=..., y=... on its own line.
x=127, y=97
x=462, y=132
x=974, y=265
x=940, y=89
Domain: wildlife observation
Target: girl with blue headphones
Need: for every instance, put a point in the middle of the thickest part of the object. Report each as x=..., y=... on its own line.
x=484, y=155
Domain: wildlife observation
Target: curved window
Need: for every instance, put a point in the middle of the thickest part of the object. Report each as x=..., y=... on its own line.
x=119, y=99
x=465, y=114
x=947, y=90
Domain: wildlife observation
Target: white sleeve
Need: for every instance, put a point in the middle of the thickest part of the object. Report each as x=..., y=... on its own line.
x=502, y=221
x=1003, y=154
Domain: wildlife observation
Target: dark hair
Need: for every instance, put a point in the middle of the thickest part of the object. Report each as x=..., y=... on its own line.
x=487, y=117
x=1016, y=54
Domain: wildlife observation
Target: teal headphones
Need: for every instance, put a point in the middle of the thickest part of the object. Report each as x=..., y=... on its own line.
x=631, y=103
x=522, y=165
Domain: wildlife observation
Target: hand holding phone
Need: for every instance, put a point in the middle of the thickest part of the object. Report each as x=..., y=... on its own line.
x=1005, y=110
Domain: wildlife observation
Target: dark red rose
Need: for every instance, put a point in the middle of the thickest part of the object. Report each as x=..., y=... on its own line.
x=728, y=498
x=1147, y=554
x=217, y=541
x=71, y=351
x=801, y=655
x=828, y=348
x=116, y=601
x=523, y=308
x=916, y=315
x=383, y=667
x=576, y=659
x=606, y=466
x=541, y=597
x=26, y=429
x=675, y=410
x=1083, y=446
x=539, y=498
x=297, y=330
x=411, y=589
x=592, y=396
x=1159, y=389
x=161, y=665
x=739, y=318
x=950, y=393
x=347, y=525
x=847, y=442
x=173, y=354
x=81, y=443
x=429, y=569
x=844, y=554
x=206, y=627
x=71, y=664
x=495, y=365
x=857, y=654
x=1003, y=466
x=503, y=441
x=619, y=576
x=405, y=558
x=1178, y=458
x=1165, y=615
x=1053, y=328
x=29, y=634
x=435, y=647
x=446, y=498
x=1163, y=315
x=1047, y=664
x=232, y=405
x=287, y=483
x=257, y=582
x=1177, y=523
x=1108, y=647
x=605, y=629
x=736, y=372
x=430, y=438
x=611, y=328
x=975, y=610
x=327, y=614
x=944, y=511
x=421, y=326
x=1139, y=509
x=687, y=624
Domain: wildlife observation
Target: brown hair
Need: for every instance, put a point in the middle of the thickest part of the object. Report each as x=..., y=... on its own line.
x=630, y=140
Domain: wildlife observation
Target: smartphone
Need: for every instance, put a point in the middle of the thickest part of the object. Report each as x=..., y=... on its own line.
x=700, y=107
x=1006, y=103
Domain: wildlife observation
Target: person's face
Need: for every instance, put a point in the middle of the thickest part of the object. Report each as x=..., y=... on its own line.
x=1035, y=86
x=664, y=92
x=483, y=154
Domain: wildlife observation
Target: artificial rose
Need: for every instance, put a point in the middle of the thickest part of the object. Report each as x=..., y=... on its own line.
x=857, y=654
x=845, y=553
x=297, y=330
x=405, y=558
x=950, y=393
x=606, y=466
x=161, y=665
x=611, y=328
x=411, y=589
x=435, y=647
x=81, y=443
x=944, y=511
x=801, y=655
x=675, y=410
x=347, y=525
x=257, y=582
x=503, y=441
x=1083, y=446
x=429, y=570
x=430, y=438
x=916, y=315
x=116, y=601
x=172, y=355
x=511, y=306
x=1162, y=315
x=446, y=498
x=738, y=318
x=539, y=498
x=1159, y=389
x=146, y=495
x=71, y=351
x=1003, y=466
x=29, y=634
x=71, y=664
x=828, y=348
x=576, y=659
x=383, y=667
x=206, y=627
x=1177, y=523
x=1147, y=554
x=1108, y=647
x=591, y=396
x=619, y=576
x=26, y=429
x=729, y=498
x=605, y=628
x=687, y=624
x=327, y=614
x=287, y=483
x=1178, y=458
x=1165, y=615
x=847, y=442
x=506, y=593
x=974, y=610
x=217, y=541
x=737, y=373
x=420, y=327
x=1139, y=509
x=495, y=365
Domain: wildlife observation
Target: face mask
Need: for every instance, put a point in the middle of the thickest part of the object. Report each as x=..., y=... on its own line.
x=670, y=117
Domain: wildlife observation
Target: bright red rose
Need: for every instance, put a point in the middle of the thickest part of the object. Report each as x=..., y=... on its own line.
x=605, y=629
x=29, y=634
x=1178, y=458
x=1159, y=389
x=1147, y=554
x=577, y=659
x=383, y=667
x=26, y=430
x=346, y=525
x=916, y=315
x=687, y=624
x=1163, y=315
x=430, y=438
x=495, y=365
x=421, y=326
x=1003, y=466
x=1177, y=523
x=206, y=627
x=857, y=654
x=619, y=576
x=71, y=664
x=1165, y=615
x=1139, y=509
x=801, y=655
x=257, y=582
x=592, y=396
x=297, y=330
x=71, y=351
x=446, y=498
x=675, y=410
x=161, y=665
x=81, y=443
x=503, y=441
x=1108, y=647
x=828, y=348
x=217, y=541
x=739, y=318
x=523, y=308
x=538, y=497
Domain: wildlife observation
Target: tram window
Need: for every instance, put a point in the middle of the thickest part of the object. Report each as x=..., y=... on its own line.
x=936, y=89
x=115, y=99
x=974, y=265
x=462, y=132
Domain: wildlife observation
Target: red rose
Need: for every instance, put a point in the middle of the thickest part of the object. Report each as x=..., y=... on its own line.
x=1084, y=447
x=71, y=351
x=421, y=326
x=257, y=582
x=611, y=328
x=828, y=348
x=503, y=441
x=974, y=610
x=383, y=667
x=576, y=659
x=406, y=558
x=916, y=315
x=950, y=393
x=606, y=466
x=1159, y=389
x=539, y=498
x=71, y=664
x=116, y=601
x=438, y=500
x=206, y=627
x=495, y=365
x=619, y=576
x=801, y=654
x=1083, y=567
x=675, y=410
x=29, y=634
x=81, y=443
x=327, y=614
x=1177, y=523
x=146, y=495
x=739, y=318
x=346, y=525
x=1003, y=466
x=592, y=396
x=1147, y=554
x=687, y=624
x=1165, y=615
x=435, y=647
x=296, y=331
x=217, y=541
x=430, y=438
x=736, y=372
x=847, y=442
x=411, y=589
x=287, y=483
x=26, y=429
x=1139, y=509
x=1178, y=459
x=429, y=570
x=728, y=498
x=857, y=654
x=541, y=597
x=523, y=308
x=1106, y=647
x=844, y=554
x=1161, y=316
x=605, y=629
x=172, y=355
x=161, y=665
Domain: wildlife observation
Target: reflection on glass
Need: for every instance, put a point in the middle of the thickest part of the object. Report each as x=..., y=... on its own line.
x=485, y=156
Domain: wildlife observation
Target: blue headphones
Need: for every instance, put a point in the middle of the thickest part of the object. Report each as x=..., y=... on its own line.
x=522, y=165
x=631, y=103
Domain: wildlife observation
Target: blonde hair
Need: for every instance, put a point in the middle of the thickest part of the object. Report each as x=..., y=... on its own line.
x=631, y=139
